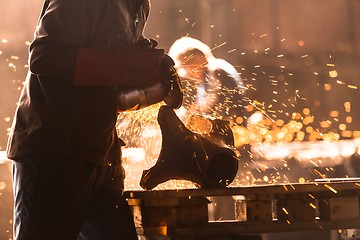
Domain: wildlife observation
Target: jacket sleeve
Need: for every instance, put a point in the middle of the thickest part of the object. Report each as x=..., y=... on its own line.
x=52, y=59
x=135, y=66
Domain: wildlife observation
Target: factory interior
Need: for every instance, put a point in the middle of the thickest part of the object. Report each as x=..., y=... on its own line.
x=284, y=102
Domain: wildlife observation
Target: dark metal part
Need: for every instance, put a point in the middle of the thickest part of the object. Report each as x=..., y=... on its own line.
x=189, y=156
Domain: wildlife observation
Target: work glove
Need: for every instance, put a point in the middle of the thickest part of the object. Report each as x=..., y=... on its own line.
x=139, y=65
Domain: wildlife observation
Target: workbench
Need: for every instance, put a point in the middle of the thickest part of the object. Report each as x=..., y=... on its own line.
x=183, y=214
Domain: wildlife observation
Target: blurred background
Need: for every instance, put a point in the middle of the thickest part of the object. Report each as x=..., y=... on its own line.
x=291, y=54
x=299, y=60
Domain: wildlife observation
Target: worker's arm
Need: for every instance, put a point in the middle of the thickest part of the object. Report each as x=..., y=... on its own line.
x=138, y=65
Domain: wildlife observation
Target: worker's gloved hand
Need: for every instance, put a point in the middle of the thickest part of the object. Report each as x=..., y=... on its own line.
x=167, y=65
x=139, y=65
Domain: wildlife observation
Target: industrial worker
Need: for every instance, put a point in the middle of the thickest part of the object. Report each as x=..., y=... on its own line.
x=68, y=177
x=212, y=86
x=191, y=58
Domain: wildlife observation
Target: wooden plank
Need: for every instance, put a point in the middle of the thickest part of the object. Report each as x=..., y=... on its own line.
x=259, y=210
x=257, y=192
x=181, y=212
x=180, y=201
x=242, y=228
x=296, y=210
x=340, y=208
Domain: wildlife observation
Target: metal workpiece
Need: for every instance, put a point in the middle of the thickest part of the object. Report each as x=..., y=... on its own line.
x=185, y=155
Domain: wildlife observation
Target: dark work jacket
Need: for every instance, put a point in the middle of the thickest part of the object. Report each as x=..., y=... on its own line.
x=55, y=117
